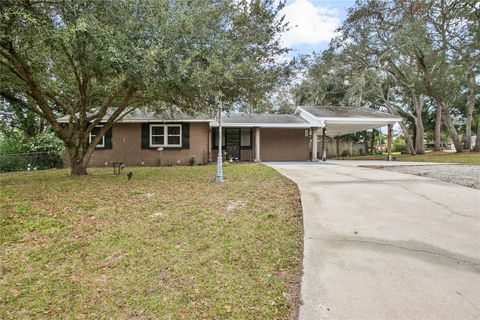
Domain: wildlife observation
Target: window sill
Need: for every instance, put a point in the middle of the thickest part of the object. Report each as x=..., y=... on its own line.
x=166, y=148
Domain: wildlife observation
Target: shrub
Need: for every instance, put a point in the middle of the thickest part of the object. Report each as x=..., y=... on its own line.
x=46, y=142
x=192, y=160
x=11, y=143
x=43, y=151
x=399, y=145
x=345, y=153
x=32, y=161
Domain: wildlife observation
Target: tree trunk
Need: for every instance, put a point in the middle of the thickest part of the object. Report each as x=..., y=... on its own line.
x=419, y=137
x=452, y=132
x=337, y=142
x=438, y=129
x=469, y=111
x=372, y=142
x=78, y=161
x=78, y=169
x=419, y=128
x=365, y=141
x=408, y=138
x=477, y=141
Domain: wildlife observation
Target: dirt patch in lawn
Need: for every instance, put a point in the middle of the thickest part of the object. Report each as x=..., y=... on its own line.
x=167, y=244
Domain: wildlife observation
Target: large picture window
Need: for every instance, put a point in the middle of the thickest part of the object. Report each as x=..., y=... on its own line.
x=168, y=135
x=93, y=134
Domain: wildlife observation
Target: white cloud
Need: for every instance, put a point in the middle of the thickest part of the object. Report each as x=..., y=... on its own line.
x=309, y=24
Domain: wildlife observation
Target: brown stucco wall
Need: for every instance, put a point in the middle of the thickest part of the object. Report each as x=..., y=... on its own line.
x=277, y=145
x=127, y=147
x=283, y=144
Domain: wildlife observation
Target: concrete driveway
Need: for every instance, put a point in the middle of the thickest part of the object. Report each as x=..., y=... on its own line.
x=386, y=245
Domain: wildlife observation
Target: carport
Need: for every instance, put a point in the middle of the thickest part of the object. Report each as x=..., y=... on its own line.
x=338, y=121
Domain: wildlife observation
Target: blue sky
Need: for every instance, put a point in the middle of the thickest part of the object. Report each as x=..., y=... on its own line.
x=313, y=23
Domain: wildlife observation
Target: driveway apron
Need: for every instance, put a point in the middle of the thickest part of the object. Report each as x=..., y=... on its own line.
x=386, y=245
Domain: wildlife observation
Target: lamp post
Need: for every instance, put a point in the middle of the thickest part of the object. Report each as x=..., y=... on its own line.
x=219, y=175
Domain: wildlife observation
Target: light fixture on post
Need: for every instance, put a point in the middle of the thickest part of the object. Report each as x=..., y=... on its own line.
x=219, y=175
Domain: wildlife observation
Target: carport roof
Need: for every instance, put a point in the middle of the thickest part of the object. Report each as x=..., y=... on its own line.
x=345, y=112
x=342, y=120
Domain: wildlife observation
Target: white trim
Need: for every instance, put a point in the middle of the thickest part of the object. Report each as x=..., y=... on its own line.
x=360, y=120
x=63, y=120
x=263, y=125
x=158, y=121
x=308, y=117
x=165, y=135
x=100, y=145
x=344, y=120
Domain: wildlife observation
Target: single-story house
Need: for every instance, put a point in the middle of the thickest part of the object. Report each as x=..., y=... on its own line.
x=136, y=138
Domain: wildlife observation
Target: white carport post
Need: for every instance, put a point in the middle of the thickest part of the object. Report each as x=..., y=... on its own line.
x=257, y=144
x=389, y=142
x=324, y=150
x=314, y=144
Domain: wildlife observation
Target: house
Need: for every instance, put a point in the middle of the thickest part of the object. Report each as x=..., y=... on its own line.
x=138, y=137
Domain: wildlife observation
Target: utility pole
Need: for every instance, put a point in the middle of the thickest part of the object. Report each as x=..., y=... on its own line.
x=219, y=175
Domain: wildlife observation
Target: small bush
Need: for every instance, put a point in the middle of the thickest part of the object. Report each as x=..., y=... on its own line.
x=399, y=145
x=192, y=160
x=345, y=153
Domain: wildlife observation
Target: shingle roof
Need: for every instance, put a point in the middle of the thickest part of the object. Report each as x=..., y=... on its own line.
x=345, y=112
x=139, y=115
x=263, y=118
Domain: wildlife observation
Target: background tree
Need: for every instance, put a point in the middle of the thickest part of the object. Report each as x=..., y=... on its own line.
x=96, y=61
x=413, y=58
x=14, y=117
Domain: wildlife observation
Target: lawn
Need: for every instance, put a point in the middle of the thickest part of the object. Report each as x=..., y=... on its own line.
x=168, y=244
x=472, y=158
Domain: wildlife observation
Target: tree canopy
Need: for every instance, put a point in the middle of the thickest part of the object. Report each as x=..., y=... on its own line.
x=92, y=59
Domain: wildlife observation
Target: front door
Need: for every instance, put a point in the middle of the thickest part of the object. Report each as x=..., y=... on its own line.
x=232, y=143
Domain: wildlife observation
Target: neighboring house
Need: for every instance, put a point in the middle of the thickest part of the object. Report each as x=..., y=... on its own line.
x=136, y=138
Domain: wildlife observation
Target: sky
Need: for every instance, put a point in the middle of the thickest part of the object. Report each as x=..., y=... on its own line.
x=313, y=23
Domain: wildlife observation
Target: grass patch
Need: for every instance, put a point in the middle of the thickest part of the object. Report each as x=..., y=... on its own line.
x=472, y=158
x=168, y=244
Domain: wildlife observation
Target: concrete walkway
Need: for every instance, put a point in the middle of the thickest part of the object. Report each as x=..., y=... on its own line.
x=386, y=245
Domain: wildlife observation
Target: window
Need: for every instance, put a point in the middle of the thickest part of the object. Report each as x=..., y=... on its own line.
x=169, y=135
x=93, y=134
x=245, y=137
x=157, y=135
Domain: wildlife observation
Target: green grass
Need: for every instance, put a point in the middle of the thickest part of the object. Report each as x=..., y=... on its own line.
x=472, y=158
x=168, y=244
